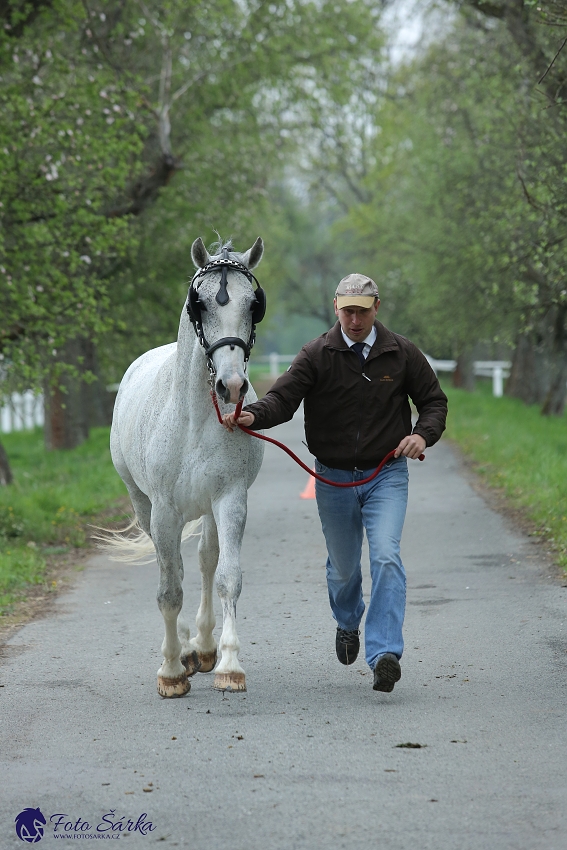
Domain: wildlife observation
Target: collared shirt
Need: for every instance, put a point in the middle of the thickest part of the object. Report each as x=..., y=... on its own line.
x=368, y=342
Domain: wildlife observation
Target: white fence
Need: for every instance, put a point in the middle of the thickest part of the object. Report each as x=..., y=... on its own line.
x=21, y=412
x=498, y=370
x=276, y=361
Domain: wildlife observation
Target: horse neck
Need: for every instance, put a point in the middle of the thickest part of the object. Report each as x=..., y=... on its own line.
x=191, y=373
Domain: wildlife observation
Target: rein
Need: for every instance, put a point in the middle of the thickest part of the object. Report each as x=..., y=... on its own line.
x=237, y=412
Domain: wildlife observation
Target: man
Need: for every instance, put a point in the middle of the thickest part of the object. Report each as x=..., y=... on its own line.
x=355, y=381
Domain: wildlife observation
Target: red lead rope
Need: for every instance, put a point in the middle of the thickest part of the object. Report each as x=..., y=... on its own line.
x=237, y=412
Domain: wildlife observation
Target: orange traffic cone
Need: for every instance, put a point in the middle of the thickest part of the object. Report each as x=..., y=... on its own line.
x=309, y=492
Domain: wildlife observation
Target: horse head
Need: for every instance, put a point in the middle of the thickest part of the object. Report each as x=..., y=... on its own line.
x=225, y=308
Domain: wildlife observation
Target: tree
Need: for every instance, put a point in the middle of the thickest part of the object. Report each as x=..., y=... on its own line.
x=106, y=103
x=452, y=182
x=540, y=364
x=418, y=181
x=68, y=142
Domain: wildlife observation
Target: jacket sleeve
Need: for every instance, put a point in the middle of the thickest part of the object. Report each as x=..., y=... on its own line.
x=423, y=388
x=282, y=400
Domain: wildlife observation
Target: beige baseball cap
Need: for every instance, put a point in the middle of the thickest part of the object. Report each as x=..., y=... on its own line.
x=356, y=290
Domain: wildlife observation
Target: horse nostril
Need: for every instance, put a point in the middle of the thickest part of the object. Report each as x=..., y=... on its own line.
x=221, y=390
x=244, y=389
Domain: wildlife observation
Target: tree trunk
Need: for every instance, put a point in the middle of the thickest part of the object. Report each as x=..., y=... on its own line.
x=66, y=405
x=6, y=476
x=539, y=365
x=554, y=401
x=521, y=383
x=529, y=379
x=99, y=401
x=463, y=376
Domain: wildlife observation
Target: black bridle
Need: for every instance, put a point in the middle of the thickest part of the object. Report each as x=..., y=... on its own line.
x=195, y=306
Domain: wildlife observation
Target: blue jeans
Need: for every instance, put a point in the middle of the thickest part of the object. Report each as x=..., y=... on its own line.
x=379, y=508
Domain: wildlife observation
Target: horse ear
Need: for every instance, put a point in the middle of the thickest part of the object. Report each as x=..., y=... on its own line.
x=199, y=253
x=252, y=257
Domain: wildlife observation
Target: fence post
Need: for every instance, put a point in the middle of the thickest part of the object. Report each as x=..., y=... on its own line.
x=27, y=409
x=274, y=365
x=497, y=382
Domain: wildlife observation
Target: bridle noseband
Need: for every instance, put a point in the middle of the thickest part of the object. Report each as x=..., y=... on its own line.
x=195, y=307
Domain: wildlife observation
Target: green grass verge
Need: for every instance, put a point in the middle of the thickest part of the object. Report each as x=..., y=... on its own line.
x=519, y=451
x=46, y=510
x=258, y=372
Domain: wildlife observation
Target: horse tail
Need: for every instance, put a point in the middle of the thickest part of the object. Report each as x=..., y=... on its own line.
x=131, y=545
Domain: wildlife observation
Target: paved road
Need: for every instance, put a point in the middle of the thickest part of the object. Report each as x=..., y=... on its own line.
x=308, y=758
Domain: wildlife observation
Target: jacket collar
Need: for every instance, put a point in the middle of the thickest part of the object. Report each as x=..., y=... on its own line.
x=385, y=340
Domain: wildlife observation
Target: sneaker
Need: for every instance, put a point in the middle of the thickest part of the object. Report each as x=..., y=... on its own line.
x=386, y=673
x=347, y=645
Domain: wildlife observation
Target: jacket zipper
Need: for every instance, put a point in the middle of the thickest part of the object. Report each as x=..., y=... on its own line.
x=359, y=420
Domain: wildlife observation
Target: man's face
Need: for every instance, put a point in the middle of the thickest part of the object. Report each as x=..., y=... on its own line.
x=357, y=322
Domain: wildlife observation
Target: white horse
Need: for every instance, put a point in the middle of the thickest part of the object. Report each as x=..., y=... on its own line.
x=181, y=466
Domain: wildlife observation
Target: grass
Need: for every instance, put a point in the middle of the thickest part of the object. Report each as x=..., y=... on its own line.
x=258, y=372
x=518, y=451
x=46, y=510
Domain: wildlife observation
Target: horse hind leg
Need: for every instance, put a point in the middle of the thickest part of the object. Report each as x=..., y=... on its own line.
x=140, y=502
x=166, y=528
x=201, y=655
x=142, y=508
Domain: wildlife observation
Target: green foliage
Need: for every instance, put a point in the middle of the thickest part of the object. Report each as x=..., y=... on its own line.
x=442, y=196
x=447, y=181
x=52, y=498
x=69, y=143
x=233, y=131
x=178, y=111
x=518, y=451
x=306, y=257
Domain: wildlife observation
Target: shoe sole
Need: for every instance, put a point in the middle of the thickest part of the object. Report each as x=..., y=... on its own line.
x=386, y=673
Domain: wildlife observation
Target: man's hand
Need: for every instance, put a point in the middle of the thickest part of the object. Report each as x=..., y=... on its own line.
x=412, y=447
x=245, y=418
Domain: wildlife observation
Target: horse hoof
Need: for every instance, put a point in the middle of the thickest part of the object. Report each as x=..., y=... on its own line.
x=207, y=661
x=192, y=662
x=229, y=682
x=177, y=687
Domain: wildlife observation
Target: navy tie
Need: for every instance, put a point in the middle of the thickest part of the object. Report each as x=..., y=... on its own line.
x=359, y=348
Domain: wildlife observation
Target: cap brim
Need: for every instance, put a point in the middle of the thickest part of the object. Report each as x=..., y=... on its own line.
x=355, y=301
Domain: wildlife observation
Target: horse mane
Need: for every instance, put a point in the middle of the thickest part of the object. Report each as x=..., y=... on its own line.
x=216, y=249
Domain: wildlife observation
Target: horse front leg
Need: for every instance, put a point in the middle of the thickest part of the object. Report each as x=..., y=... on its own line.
x=230, y=516
x=201, y=655
x=166, y=528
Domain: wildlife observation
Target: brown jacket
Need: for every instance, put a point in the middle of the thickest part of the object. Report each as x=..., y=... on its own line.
x=355, y=416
